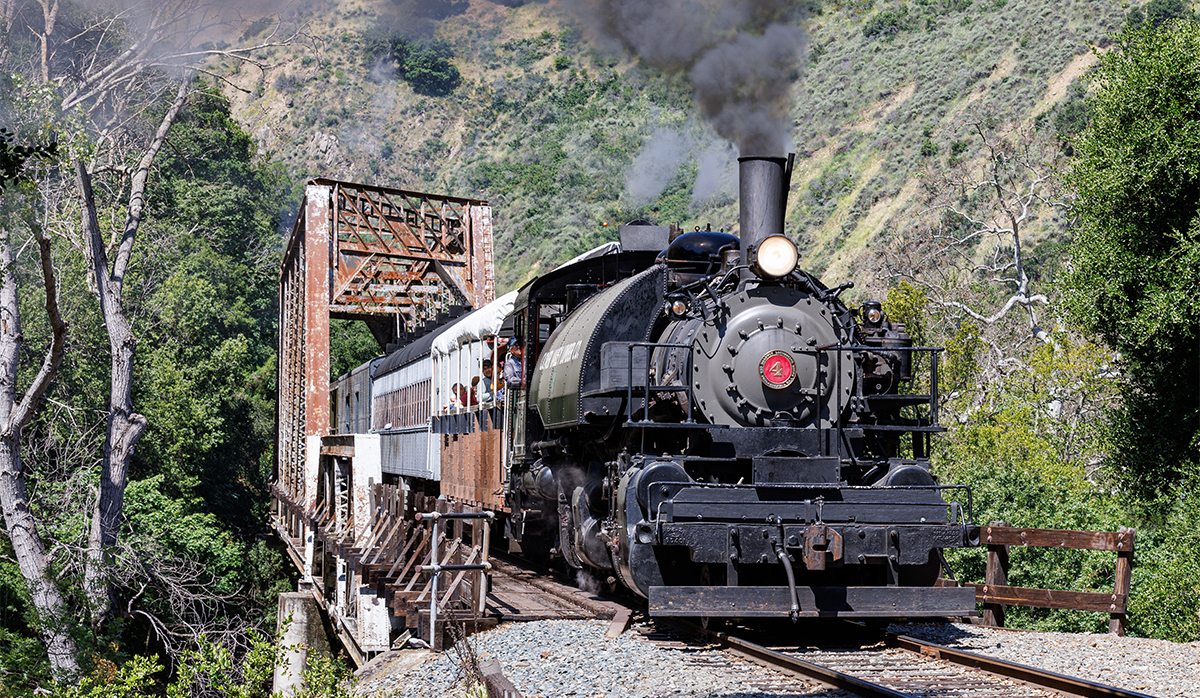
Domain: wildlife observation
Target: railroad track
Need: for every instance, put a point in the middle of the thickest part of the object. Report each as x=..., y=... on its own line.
x=860, y=661
x=898, y=666
x=521, y=593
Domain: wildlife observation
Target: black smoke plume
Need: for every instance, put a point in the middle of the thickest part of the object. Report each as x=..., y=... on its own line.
x=741, y=56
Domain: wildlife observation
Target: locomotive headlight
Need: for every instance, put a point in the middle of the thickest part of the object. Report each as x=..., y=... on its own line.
x=776, y=257
x=679, y=307
x=872, y=313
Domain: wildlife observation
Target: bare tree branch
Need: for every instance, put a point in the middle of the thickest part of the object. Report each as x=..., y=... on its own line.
x=137, y=195
x=25, y=409
x=997, y=204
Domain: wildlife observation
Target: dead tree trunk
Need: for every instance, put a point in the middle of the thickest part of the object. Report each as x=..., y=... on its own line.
x=125, y=426
x=30, y=550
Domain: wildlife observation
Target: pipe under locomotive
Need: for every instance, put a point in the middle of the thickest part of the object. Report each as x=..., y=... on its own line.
x=715, y=429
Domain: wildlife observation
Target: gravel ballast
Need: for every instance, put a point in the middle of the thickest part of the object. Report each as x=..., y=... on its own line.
x=553, y=658
x=573, y=658
x=1155, y=667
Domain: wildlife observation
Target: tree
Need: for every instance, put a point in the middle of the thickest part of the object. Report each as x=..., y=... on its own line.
x=125, y=426
x=16, y=411
x=427, y=67
x=110, y=72
x=968, y=250
x=1135, y=265
x=423, y=63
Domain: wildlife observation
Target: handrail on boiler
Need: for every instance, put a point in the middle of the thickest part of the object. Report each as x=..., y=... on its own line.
x=685, y=382
x=840, y=348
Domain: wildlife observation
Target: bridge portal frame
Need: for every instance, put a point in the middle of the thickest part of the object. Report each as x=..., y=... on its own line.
x=396, y=259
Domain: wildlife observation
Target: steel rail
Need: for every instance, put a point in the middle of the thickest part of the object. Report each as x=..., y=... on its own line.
x=1067, y=685
x=780, y=660
x=1040, y=678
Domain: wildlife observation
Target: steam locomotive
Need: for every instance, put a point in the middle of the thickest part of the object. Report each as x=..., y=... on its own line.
x=695, y=418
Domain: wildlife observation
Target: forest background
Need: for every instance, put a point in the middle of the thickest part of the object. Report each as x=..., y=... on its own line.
x=1015, y=178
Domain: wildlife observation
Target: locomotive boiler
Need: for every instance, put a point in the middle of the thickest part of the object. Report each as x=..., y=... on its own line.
x=716, y=430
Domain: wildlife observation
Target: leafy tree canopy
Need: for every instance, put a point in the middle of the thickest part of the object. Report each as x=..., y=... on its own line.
x=13, y=156
x=423, y=63
x=1135, y=277
x=1159, y=12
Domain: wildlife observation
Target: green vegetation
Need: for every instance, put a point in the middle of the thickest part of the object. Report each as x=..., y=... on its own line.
x=1159, y=12
x=889, y=22
x=1133, y=282
x=423, y=64
x=1069, y=415
x=350, y=346
x=212, y=670
x=1136, y=257
x=547, y=126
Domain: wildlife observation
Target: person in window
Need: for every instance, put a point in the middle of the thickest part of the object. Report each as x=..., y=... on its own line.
x=514, y=373
x=487, y=386
x=459, y=397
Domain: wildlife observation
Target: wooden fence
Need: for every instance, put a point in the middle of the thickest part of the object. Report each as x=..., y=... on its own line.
x=995, y=594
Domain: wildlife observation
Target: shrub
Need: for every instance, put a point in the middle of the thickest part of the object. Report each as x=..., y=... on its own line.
x=287, y=83
x=888, y=23
x=1073, y=114
x=431, y=75
x=1160, y=12
x=423, y=64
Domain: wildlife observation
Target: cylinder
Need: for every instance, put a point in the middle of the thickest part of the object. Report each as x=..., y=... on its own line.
x=762, y=187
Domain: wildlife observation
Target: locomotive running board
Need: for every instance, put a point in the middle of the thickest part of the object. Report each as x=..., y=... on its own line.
x=815, y=602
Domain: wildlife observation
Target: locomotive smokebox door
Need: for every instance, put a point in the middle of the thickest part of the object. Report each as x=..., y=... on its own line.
x=762, y=364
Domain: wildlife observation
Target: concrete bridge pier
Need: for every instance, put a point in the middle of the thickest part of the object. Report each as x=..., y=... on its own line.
x=305, y=634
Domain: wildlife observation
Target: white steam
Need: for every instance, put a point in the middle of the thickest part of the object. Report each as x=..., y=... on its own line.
x=657, y=163
x=587, y=582
x=715, y=175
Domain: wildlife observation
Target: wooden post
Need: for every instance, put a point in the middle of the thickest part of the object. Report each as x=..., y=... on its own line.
x=997, y=575
x=1121, y=584
x=458, y=536
x=476, y=544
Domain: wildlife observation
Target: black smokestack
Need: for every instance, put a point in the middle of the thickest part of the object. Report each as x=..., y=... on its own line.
x=763, y=186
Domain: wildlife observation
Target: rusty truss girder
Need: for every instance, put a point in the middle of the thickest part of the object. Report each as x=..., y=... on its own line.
x=396, y=259
x=406, y=252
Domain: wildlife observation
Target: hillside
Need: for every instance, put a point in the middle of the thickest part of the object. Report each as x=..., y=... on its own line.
x=567, y=140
